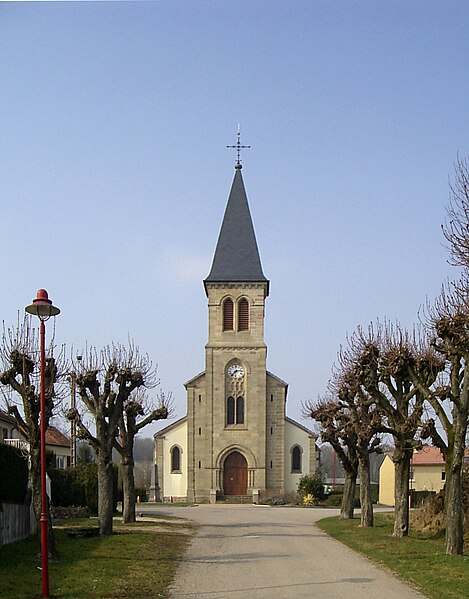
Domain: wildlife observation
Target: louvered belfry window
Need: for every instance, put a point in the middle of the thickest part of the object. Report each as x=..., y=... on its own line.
x=228, y=315
x=243, y=315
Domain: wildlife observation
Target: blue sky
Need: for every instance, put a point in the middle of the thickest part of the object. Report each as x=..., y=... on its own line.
x=114, y=121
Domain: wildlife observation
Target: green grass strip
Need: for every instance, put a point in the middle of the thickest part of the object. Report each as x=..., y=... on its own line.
x=419, y=559
x=138, y=561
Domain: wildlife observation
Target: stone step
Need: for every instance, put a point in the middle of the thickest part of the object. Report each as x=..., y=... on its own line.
x=235, y=499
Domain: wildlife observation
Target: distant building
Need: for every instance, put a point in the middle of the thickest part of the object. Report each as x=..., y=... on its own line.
x=427, y=473
x=8, y=428
x=60, y=445
x=56, y=441
x=236, y=439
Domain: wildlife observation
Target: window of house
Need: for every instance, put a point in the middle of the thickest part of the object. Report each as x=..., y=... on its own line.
x=296, y=458
x=176, y=459
x=61, y=462
x=243, y=315
x=443, y=475
x=228, y=315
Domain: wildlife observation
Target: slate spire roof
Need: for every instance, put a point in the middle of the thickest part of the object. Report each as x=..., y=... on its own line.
x=236, y=256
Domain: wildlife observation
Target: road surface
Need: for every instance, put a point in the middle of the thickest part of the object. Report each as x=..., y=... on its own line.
x=260, y=552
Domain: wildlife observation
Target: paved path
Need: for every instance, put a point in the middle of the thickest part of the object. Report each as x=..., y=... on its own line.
x=257, y=552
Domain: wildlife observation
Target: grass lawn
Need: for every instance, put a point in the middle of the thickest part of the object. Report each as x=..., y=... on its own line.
x=419, y=559
x=138, y=561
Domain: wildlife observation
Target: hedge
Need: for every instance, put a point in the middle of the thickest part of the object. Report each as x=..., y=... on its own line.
x=78, y=487
x=14, y=474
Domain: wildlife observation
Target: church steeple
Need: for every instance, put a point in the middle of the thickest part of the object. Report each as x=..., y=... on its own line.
x=237, y=256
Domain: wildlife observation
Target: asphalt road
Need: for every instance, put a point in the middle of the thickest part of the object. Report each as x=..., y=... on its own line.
x=257, y=552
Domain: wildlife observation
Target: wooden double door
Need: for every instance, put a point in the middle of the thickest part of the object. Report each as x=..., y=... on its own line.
x=235, y=474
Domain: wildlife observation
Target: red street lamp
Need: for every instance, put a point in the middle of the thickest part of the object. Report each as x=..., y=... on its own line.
x=42, y=308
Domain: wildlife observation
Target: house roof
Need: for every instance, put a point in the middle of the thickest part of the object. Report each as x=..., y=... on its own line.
x=55, y=437
x=428, y=456
x=236, y=255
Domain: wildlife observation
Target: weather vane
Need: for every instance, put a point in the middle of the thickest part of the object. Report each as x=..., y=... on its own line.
x=238, y=147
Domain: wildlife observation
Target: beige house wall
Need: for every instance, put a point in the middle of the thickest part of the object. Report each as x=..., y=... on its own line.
x=428, y=477
x=386, y=482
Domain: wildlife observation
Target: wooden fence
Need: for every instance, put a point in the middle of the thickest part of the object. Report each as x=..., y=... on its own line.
x=16, y=522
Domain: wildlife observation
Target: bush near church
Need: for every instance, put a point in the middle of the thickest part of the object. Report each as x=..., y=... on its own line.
x=312, y=485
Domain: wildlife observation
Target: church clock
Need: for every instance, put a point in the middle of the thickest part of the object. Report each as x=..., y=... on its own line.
x=236, y=371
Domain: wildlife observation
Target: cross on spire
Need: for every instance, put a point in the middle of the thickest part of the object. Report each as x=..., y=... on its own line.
x=238, y=147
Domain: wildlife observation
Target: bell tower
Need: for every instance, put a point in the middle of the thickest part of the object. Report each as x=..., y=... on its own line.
x=233, y=408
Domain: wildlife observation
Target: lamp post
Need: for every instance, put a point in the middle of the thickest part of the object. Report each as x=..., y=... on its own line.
x=42, y=308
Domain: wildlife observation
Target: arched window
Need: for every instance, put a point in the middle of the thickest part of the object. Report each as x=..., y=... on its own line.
x=296, y=458
x=230, y=410
x=175, y=459
x=240, y=410
x=228, y=315
x=243, y=315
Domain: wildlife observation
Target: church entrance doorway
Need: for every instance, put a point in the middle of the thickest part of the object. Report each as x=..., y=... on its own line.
x=235, y=475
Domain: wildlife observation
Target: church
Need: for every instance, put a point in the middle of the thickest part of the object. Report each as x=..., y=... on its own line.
x=236, y=440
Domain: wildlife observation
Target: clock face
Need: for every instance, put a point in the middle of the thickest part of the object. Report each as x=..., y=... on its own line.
x=236, y=371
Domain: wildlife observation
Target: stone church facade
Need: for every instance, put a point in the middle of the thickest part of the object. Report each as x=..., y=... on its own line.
x=236, y=439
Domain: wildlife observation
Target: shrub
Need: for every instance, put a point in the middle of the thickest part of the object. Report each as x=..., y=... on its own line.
x=312, y=485
x=310, y=500
x=14, y=475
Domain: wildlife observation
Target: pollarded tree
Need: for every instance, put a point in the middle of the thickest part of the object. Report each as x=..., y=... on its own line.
x=138, y=412
x=335, y=429
x=366, y=420
x=19, y=354
x=449, y=322
x=382, y=358
x=456, y=228
x=106, y=382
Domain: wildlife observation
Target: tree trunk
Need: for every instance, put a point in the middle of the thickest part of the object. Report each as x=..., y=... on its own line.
x=128, y=483
x=105, y=493
x=401, y=494
x=348, y=498
x=454, y=539
x=365, y=495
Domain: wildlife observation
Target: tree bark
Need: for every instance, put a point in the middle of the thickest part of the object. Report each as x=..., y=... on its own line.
x=348, y=498
x=105, y=493
x=454, y=539
x=365, y=495
x=401, y=493
x=128, y=483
